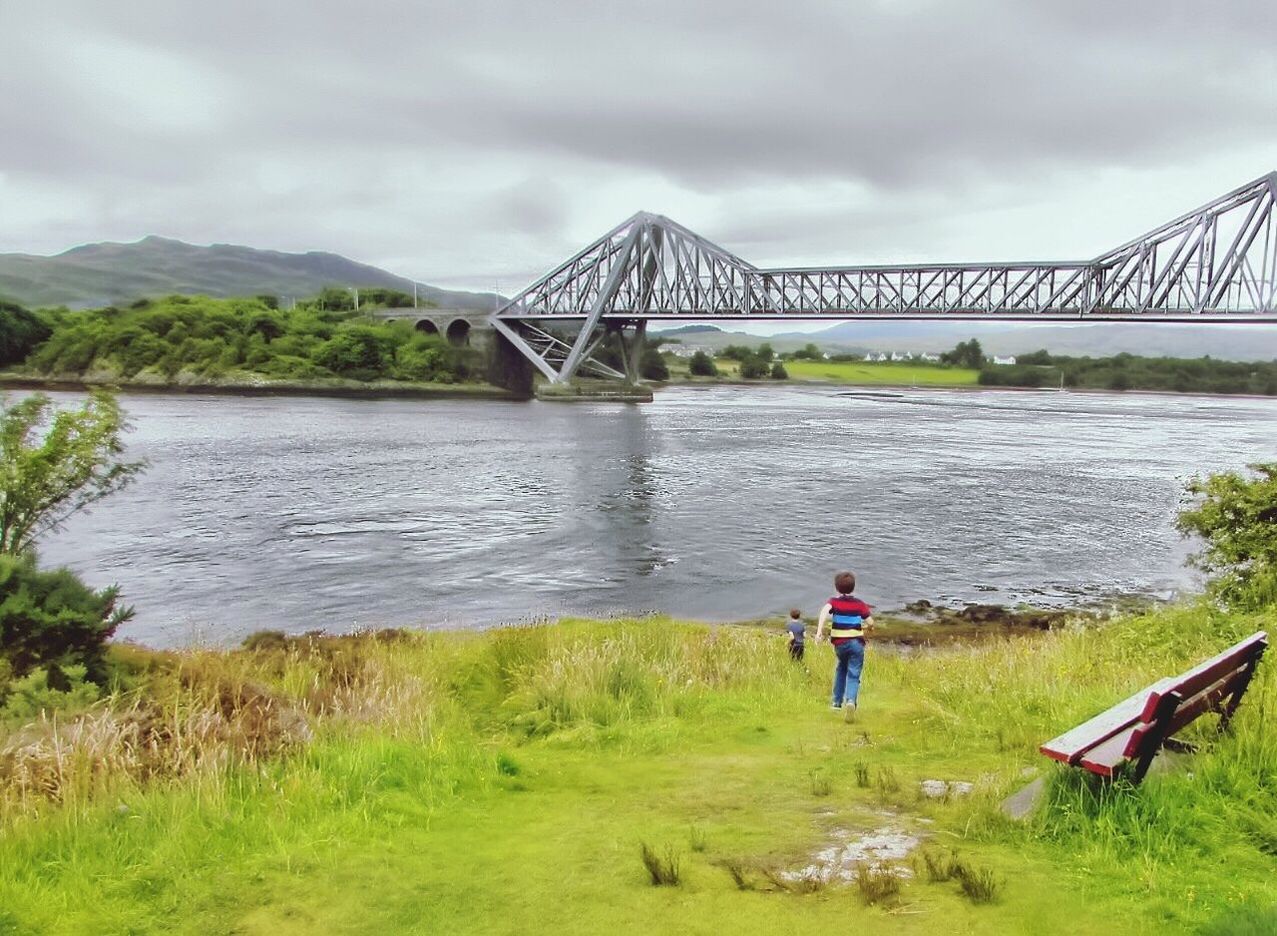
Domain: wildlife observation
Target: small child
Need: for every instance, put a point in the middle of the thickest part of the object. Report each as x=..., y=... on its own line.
x=848, y=618
x=797, y=631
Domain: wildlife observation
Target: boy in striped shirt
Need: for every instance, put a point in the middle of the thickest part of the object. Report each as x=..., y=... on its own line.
x=848, y=618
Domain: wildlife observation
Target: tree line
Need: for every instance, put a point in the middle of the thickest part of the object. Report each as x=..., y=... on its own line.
x=204, y=338
x=1132, y=372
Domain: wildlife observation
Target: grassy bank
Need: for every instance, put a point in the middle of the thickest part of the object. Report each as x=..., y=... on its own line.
x=848, y=373
x=504, y=782
x=253, y=385
x=884, y=373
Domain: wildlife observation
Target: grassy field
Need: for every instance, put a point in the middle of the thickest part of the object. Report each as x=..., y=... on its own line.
x=505, y=782
x=865, y=373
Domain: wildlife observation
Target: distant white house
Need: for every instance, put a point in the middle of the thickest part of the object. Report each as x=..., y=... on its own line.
x=686, y=351
x=929, y=357
x=878, y=356
x=898, y=356
x=1004, y=360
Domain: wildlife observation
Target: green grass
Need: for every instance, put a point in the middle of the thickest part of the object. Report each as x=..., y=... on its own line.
x=506, y=783
x=858, y=373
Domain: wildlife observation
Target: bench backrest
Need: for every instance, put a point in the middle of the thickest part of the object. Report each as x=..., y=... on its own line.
x=1196, y=692
x=1136, y=726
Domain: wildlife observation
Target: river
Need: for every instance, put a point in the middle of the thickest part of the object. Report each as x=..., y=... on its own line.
x=717, y=502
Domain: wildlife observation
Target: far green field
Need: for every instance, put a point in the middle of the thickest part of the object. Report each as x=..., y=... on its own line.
x=882, y=374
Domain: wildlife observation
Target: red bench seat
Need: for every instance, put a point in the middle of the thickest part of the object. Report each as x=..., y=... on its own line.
x=1134, y=730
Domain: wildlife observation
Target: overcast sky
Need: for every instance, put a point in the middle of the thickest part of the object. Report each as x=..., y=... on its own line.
x=475, y=145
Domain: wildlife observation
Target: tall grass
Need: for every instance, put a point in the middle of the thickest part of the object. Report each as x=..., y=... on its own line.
x=332, y=715
x=1018, y=693
x=199, y=713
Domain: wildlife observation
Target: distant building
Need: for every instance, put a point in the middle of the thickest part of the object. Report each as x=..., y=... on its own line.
x=686, y=350
x=878, y=356
x=929, y=357
x=898, y=356
x=1004, y=360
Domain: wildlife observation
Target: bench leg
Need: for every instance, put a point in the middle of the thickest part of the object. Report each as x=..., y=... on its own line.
x=1235, y=699
x=1155, y=738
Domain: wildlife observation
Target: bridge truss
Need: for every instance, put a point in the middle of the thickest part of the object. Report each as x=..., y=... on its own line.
x=1217, y=263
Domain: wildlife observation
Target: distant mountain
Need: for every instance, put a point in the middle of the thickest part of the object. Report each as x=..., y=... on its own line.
x=688, y=330
x=112, y=273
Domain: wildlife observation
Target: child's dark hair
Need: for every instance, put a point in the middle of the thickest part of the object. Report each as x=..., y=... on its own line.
x=795, y=613
x=845, y=582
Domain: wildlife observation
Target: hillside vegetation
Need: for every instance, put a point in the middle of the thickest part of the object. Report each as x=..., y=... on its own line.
x=187, y=339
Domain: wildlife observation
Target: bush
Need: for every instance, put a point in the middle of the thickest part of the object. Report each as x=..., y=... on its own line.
x=652, y=366
x=350, y=350
x=702, y=365
x=1236, y=517
x=20, y=332
x=752, y=368
x=778, y=372
x=51, y=619
x=427, y=358
x=34, y=694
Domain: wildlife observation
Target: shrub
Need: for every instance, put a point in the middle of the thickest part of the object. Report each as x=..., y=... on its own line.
x=778, y=372
x=652, y=366
x=20, y=332
x=352, y=349
x=54, y=463
x=1236, y=517
x=35, y=694
x=53, y=620
x=752, y=368
x=702, y=365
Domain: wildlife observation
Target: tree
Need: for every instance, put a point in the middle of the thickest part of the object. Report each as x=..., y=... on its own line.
x=1236, y=518
x=965, y=354
x=752, y=368
x=765, y=353
x=652, y=365
x=20, y=332
x=52, y=619
x=736, y=352
x=702, y=365
x=55, y=463
x=779, y=372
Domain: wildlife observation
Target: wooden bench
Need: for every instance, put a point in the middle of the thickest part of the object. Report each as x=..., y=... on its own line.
x=1134, y=730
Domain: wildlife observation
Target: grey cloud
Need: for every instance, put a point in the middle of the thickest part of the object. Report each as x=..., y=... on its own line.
x=371, y=126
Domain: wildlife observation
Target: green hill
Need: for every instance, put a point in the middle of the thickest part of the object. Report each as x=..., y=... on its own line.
x=112, y=273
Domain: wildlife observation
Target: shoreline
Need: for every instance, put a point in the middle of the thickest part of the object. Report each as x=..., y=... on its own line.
x=918, y=624
x=949, y=388
x=336, y=388
x=375, y=390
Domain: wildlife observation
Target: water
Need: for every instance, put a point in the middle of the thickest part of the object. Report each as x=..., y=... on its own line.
x=717, y=503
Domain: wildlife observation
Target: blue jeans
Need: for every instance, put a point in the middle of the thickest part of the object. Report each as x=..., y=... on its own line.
x=851, y=660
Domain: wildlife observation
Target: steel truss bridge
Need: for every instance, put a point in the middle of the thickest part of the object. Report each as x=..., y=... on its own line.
x=1217, y=263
